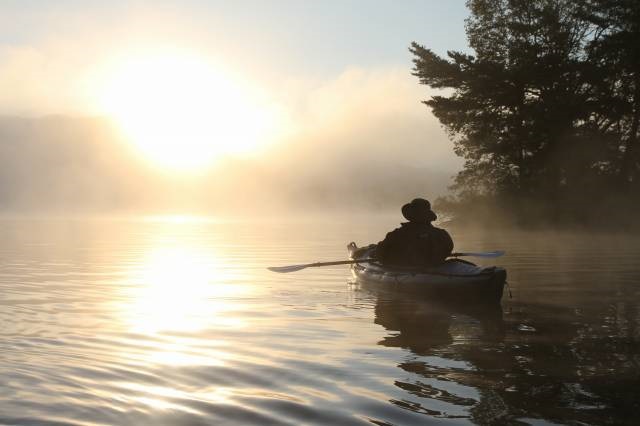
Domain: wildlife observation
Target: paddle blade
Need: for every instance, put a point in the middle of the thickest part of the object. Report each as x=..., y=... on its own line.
x=285, y=269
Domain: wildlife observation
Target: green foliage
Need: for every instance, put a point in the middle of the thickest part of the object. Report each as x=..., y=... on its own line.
x=547, y=108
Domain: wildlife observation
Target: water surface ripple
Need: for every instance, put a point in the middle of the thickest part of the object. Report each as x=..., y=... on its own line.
x=134, y=322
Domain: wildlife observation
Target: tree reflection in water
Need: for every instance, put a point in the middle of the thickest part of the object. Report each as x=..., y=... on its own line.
x=533, y=362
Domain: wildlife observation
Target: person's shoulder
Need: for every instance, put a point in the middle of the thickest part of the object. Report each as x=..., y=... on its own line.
x=392, y=232
x=397, y=230
x=436, y=229
x=440, y=231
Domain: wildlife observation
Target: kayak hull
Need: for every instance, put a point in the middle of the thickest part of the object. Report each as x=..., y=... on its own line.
x=456, y=280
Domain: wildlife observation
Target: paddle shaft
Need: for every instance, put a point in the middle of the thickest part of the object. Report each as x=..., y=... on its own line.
x=340, y=262
x=294, y=268
x=496, y=253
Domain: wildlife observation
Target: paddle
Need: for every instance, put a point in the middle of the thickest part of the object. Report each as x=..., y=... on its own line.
x=294, y=268
x=496, y=253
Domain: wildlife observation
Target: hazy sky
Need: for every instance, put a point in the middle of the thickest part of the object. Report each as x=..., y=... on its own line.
x=335, y=74
x=292, y=36
x=58, y=42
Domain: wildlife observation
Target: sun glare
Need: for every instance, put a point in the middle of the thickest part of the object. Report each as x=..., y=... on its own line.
x=181, y=112
x=180, y=287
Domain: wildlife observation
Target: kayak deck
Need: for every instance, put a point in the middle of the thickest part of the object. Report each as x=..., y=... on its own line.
x=455, y=279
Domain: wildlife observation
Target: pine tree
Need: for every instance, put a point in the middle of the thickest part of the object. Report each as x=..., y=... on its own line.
x=546, y=107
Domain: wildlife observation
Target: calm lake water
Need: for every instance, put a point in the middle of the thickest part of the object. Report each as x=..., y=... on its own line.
x=177, y=321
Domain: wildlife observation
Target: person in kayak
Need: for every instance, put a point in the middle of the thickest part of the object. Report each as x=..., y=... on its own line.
x=417, y=242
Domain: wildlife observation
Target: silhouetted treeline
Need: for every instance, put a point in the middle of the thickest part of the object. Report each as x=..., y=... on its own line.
x=546, y=109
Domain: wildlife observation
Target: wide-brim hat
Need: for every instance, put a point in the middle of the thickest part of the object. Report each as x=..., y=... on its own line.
x=418, y=210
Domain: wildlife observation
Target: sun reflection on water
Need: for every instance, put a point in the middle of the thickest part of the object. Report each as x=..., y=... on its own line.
x=184, y=288
x=183, y=296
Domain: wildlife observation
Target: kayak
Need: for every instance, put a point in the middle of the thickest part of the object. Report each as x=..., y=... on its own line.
x=455, y=280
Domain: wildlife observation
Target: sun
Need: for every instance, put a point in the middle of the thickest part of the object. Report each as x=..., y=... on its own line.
x=181, y=112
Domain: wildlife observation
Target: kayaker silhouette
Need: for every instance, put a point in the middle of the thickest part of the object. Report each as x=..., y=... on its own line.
x=417, y=242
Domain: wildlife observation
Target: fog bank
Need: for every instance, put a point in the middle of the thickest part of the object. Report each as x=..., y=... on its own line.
x=360, y=141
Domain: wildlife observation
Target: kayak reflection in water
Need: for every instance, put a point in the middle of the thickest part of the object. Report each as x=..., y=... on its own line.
x=417, y=242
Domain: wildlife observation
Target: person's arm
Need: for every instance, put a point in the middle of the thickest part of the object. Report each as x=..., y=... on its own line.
x=447, y=243
x=441, y=246
x=379, y=253
x=385, y=247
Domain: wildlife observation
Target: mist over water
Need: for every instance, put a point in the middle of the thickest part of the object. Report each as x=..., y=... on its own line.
x=359, y=141
x=176, y=320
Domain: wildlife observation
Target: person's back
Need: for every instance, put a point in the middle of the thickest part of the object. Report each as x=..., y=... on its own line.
x=417, y=242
